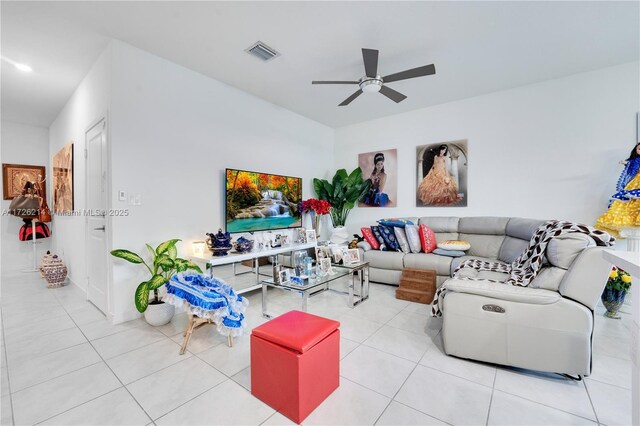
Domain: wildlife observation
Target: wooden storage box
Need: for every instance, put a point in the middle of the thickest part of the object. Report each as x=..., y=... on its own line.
x=417, y=285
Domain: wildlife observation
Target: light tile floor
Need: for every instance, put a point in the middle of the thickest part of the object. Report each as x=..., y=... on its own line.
x=62, y=363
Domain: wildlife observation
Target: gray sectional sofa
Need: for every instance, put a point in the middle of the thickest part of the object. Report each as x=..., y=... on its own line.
x=491, y=238
x=546, y=326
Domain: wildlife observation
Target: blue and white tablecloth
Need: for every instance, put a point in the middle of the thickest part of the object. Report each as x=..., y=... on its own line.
x=208, y=297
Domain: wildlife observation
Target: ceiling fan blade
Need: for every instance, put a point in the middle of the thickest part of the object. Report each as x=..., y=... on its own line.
x=412, y=73
x=334, y=82
x=370, y=58
x=392, y=94
x=351, y=98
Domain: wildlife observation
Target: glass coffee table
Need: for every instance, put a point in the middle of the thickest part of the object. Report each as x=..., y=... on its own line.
x=358, y=288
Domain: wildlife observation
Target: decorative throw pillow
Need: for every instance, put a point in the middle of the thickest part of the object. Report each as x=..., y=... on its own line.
x=378, y=235
x=389, y=238
x=401, y=237
x=450, y=253
x=413, y=236
x=427, y=238
x=395, y=222
x=371, y=239
x=454, y=245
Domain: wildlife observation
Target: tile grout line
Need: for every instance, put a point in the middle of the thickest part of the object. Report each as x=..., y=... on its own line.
x=586, y=388
x=198, y=395
x=493, y=389
x=4, y=342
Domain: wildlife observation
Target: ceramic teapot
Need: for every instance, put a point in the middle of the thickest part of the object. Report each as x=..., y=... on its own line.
x=219, y=243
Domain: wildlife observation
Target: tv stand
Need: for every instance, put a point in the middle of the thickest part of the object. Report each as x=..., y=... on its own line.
x=209, y=262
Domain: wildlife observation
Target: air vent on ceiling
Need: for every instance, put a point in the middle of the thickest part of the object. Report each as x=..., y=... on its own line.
x=262, y=51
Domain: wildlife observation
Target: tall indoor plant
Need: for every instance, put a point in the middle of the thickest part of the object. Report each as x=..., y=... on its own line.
x=343, y=192
x=164, y=263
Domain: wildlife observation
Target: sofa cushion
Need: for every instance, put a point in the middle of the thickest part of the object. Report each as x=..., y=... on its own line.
x=512, y=248
x=522, y=228
x=548, y=278
x=499, y=291
x=367, y=233
x=440, y=264
x=376, y=233
x=483, y=225
x=454, y=245
x=395, y=222
x=483, y=275
x=458, y=260
x=450, y=253
x=483, y=245
x=385, y=260
x=427, y=238
x=441, y=224
x=413, y=236
x=389, y=238
x=401, y=237
x=446, y=236
x=562, y=250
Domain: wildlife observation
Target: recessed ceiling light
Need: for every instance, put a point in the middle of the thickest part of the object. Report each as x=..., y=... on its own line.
x=23, y=67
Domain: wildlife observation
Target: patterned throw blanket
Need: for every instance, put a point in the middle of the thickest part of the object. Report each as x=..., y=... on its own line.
x=525, y=268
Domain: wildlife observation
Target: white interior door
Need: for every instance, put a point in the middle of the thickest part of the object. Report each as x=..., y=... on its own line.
x=96, y=153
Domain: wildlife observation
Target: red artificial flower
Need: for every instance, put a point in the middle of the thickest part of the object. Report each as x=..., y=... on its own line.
x=320, y=207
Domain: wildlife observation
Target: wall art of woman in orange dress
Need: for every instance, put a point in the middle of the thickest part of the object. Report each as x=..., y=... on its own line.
x=624, y=207
x=438, y=188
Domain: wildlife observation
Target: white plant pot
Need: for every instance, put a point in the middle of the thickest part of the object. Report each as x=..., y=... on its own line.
x=339, y=235
x=159, y=314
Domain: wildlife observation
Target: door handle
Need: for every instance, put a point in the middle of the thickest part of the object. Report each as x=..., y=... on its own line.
x=99, y=229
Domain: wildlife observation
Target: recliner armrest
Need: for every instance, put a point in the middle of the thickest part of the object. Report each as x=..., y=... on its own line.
x=535, y=296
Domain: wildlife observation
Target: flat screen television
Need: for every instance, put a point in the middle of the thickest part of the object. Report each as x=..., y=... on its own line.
x=261, y=201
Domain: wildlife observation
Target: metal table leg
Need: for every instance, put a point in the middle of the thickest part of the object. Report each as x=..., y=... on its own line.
x=305, y=299
x=264, y=301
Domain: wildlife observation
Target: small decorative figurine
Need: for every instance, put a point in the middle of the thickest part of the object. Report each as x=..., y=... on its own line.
x=243, y=245
x=219, y=243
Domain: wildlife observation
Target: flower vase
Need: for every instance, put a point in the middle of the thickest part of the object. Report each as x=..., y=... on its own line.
x=613, y=300
x=316, y=225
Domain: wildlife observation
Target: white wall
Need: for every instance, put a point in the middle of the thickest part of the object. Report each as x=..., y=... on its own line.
x=548, y=150
x=89, y=102
x=21, y=144
x=173, y=132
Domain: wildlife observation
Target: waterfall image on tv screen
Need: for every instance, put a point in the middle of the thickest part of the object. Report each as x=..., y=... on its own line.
x=261, y=201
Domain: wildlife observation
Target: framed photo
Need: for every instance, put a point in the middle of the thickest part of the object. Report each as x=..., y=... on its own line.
x=63, y=180
x=382, y=168
x=15, y=176
x=337, y=253
x=442, y=174
x=310, y=236
x=284, y=276
x=323, y=252
x=324, y=267
x=352, y=256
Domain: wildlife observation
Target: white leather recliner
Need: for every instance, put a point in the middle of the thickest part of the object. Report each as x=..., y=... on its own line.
x=547, y=326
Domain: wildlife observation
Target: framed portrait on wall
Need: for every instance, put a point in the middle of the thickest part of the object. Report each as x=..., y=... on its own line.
x=382, y=168
x=442, y=174
x=63, y=180
x=16, y=176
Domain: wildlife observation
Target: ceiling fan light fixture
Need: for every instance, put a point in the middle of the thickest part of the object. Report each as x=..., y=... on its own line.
x=371, y=85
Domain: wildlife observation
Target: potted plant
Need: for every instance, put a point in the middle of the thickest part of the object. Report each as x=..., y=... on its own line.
x=164, y=263
x=343, y=192
x=614, y=292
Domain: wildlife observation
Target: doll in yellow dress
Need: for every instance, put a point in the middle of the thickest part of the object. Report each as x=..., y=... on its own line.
x=438, y=188
x=624, y=208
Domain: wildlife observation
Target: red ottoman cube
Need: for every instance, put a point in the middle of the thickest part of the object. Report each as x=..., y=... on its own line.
x=295, y=362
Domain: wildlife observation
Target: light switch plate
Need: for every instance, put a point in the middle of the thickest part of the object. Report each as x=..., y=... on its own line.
x=122, y=196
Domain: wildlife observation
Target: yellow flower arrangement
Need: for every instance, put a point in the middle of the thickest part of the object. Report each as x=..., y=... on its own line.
x=618, y=280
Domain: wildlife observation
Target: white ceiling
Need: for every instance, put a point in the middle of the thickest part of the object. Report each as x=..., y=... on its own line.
x=477, y=48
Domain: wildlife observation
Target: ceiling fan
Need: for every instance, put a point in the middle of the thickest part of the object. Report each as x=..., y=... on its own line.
x=372, y=82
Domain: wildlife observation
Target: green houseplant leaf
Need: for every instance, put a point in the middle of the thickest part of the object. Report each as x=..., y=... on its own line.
x=127, y=255
x=342, y=193
x=156, y=282
x=164, y=247
x=141, y=298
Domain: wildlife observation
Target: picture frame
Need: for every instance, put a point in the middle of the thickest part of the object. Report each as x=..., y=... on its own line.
x=323, y=252
x=63, y=190
x=310, y=236
x=15, y=176
x=324, y=267
x=337, y=253
x=352, y=256
x=284, y=276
